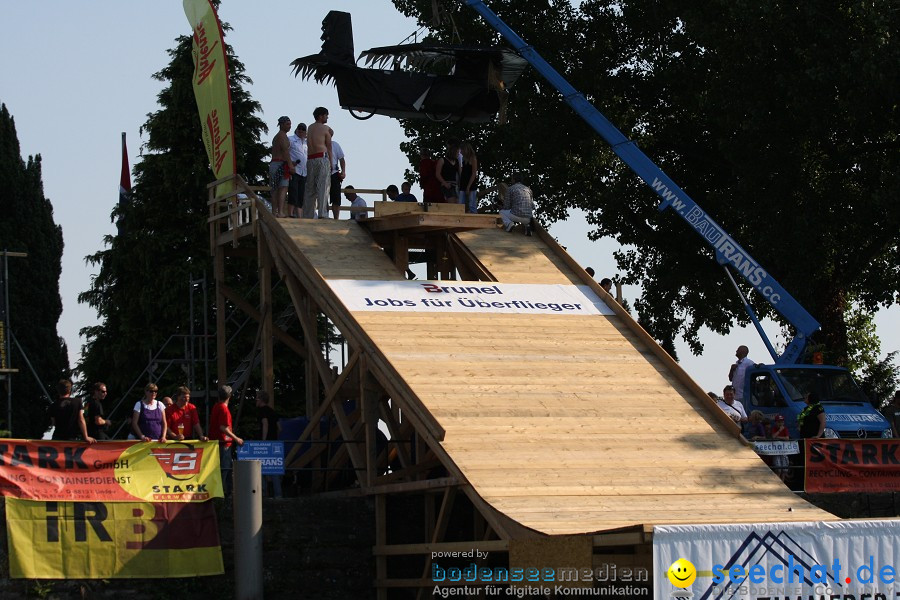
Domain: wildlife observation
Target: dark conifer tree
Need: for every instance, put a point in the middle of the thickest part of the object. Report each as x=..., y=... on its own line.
x=26, y=225
x=141, y=292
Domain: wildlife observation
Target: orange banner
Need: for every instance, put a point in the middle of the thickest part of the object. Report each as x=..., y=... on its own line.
x=99, y=540
x=110, y=471
x=835, y=465
x=212, y=89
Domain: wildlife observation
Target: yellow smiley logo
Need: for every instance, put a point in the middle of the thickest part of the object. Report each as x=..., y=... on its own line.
x=682, y=573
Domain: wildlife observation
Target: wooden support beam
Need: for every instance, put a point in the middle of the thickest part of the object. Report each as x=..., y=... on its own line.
x=369, y=413
x=466, y=259
x=395, y=432
x=357, y=459
x=410, y=487
x=642, y=535
x=242, y=252
x=443, y=260
x=313, y=424
x=443, y=519
x=219, y=274
x=465, y=273
x=310, y=377
x=411, y=412
x=251, y=311
x=440, y=529
x=228, y=236
x=211, y=224
x=307, y=324
x=267, y=364
x=401, y=251
x=418, y=471
x=428, y=516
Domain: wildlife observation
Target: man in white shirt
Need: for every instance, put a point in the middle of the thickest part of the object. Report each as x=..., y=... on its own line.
x=518, y=205
x=338, y=174
x=356, y=202
x=297, y=186
x=738, y=371
x=731, y=407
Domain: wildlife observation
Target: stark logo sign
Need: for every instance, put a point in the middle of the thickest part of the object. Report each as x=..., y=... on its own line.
x=180, y=463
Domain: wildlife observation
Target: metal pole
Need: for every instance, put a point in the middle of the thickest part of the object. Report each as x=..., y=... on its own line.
x=190, y=356
x=205, y=341
x=248, y=536
x=30, y=367
x=753, y=316
x=8, y=349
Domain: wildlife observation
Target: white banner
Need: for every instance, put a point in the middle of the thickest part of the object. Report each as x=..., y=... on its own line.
x=468, y=297
x=838, y=560
x=777, y=447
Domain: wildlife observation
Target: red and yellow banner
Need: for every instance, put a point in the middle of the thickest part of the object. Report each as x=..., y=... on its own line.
x=211, y=89
x=102, y=540
x=835, y=465
x=110, y=471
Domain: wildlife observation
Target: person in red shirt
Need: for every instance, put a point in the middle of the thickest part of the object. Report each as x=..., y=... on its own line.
x=220, y=428
x=431, y=187
x=182, y=418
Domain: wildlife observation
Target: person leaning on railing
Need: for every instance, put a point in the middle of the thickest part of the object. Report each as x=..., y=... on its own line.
x=148, y=419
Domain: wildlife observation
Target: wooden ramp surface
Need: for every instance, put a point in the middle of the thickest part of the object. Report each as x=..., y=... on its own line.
x=566, y=424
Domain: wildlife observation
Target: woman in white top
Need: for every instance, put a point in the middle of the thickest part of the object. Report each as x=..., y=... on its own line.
x=148, y=421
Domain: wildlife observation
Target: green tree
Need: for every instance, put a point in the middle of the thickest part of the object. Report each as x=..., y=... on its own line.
x=780, y=119
x=879, y=378
x=141, y=291
x=26, y=225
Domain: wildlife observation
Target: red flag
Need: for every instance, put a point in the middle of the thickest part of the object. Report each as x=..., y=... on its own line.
x=125, y=181
x=124, y=185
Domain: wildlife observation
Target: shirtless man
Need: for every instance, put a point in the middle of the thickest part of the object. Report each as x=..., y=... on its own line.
x=281, y=166
x=318, y=165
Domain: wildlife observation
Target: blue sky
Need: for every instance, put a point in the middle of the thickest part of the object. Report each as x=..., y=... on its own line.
x=76, y=74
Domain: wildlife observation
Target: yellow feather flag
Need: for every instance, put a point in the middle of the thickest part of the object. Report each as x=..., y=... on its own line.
x=212, y=89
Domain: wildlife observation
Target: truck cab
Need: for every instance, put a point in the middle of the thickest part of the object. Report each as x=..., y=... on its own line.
x=780, y=389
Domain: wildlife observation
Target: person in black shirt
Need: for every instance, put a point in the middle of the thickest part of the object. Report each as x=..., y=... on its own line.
x=811, y=420
x=67, y=415
x=94, y=416
x=268, y=430
x=267, y=417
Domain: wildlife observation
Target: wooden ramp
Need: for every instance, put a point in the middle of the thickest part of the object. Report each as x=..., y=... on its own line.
x=563, y=424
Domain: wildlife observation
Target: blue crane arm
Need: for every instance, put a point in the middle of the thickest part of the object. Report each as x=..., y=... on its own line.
x=727, y=250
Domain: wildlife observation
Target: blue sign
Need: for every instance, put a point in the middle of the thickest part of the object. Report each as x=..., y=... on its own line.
x=270, y=454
